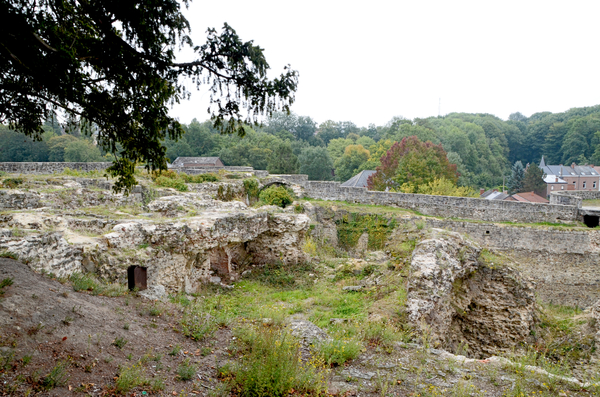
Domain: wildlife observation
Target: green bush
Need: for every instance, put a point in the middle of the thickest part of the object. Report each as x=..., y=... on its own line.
x=165, y=181
x=12, y=183
x=276, y=195
x=200, y=178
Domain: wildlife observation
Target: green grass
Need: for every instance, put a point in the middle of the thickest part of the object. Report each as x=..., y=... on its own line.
x=88, y=282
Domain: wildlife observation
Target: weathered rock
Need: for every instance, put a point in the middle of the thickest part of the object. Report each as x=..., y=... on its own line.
x=454, y=297
x=308, y=332
x=595, y=312
x=179, y=255
x=17, y=199
x=182, y=203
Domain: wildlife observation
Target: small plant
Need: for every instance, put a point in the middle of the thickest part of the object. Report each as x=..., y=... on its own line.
x=338, y=351
x=276, y=195
x=7, y=282
x=26, y=359
x=126, y=326
x=186, y=371
x=9, y=255
x=12, y=183
x=157, y=384
x=57, y=377
x=131, y=377
x=175, y=351
x=155, y=311
x=67, y=321
x=119, y=342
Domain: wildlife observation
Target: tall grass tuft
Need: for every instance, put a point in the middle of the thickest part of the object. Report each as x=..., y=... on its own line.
x=272, y=366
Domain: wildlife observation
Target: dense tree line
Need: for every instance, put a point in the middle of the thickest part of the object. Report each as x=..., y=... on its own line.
x=483, y=147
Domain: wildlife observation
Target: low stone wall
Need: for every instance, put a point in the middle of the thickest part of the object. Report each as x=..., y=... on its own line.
x=553, y=240
x=215, y=170
x=445, y=206
x=574, y=197
x=50, y=167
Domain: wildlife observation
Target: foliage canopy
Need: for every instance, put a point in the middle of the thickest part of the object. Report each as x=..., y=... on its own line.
x=410, y=164
x=112, y=63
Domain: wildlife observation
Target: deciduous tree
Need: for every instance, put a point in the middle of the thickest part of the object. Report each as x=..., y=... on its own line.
x=410, y=164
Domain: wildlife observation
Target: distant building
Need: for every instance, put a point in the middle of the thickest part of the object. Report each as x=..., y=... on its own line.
x=493, y=194
x=577, y=177
x=196, y=162
x=555, y=184
x=359, y=180
x=528, y=197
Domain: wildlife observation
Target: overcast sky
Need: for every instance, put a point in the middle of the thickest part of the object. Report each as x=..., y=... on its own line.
x=369, y=61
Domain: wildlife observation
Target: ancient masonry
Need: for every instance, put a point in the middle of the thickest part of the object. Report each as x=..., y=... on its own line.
x=562, y=262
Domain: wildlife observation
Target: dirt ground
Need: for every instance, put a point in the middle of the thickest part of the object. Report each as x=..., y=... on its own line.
x=51, y=323
x=46, y=327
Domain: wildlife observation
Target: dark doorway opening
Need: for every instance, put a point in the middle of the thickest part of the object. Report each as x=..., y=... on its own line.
x=591, y=220
x=137, y=277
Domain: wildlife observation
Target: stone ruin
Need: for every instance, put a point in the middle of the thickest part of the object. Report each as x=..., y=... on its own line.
x=457, y=300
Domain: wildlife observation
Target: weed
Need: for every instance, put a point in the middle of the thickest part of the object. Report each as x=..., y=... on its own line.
x=338, y=351
x=67, y=321
x=57, y=377
x=155, y=310
x=9, y=255
x=12, y=183
x=131, y=377
x=6, y=282
x=26, y=359
x=197, y=325
x=175, y=351
x=157, y=384
x=119, y=342
x=186, y=371
x=126, y=326
x=272, y=367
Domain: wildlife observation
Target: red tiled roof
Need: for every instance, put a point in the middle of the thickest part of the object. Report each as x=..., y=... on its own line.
x=529, y=197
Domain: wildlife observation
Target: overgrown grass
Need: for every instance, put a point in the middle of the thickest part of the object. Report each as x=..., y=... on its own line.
x=271, y=366
x=338, y=351
x=87, y=282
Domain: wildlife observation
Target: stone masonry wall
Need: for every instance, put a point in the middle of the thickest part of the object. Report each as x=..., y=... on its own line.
x=49, y=167
x=573, y=197
x=444, y=206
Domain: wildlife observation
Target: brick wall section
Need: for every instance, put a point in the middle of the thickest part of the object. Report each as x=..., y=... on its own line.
x=444, y=206
x=50, y=168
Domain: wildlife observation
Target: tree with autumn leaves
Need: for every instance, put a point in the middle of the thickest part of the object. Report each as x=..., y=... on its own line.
x=411, y=165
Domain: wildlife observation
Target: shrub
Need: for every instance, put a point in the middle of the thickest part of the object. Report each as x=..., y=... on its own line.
x=276, y=195
x=177, y=184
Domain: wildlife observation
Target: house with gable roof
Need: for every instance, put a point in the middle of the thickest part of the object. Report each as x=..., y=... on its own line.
x=577, y=177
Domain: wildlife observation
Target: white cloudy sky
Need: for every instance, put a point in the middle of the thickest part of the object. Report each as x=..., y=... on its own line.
x=369, y=61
